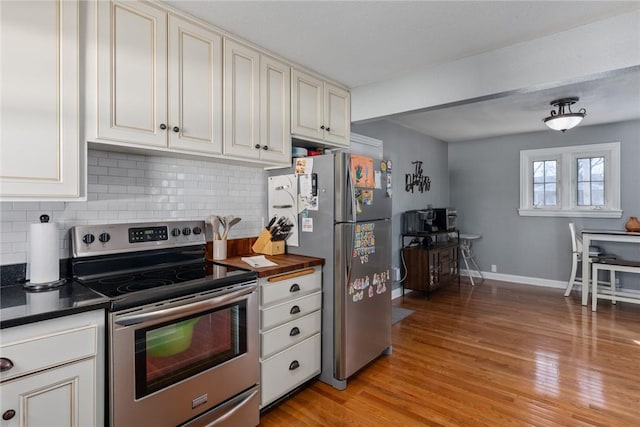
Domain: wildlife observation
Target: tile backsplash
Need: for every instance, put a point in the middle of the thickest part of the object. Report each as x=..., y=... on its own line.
x=137, y=188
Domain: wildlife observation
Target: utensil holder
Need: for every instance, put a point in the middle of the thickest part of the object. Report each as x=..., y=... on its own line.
x=219, y=249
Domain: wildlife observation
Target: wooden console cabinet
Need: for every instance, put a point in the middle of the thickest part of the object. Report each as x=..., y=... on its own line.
x=430, y=265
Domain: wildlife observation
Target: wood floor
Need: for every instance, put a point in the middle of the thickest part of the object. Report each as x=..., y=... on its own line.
x=496, y=354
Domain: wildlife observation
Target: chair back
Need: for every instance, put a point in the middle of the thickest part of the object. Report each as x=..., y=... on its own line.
x=576, y=242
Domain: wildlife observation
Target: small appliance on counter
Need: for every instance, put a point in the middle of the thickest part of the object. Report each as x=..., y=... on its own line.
x=418, y=221
x=445, y=219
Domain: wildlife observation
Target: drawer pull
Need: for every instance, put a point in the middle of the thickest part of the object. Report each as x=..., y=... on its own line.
x=294, y=310
x=10, y=413
x=5, y=364
x=294, y=331
x=294, y=365
x=294, y=288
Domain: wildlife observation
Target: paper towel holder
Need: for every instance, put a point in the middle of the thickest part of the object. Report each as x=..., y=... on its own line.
x=45, y=286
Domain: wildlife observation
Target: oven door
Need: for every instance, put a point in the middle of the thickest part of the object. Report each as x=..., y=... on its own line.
x=174, y=361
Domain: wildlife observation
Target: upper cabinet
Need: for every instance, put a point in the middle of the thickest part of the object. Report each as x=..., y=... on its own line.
x=41, y=156
x=320, y=110
x=159, y=79
x=257, y=105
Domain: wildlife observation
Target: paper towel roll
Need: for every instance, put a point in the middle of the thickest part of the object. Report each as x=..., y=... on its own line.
x=45, y=258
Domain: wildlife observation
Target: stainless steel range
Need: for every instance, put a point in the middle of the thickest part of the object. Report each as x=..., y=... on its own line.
x=183, y=333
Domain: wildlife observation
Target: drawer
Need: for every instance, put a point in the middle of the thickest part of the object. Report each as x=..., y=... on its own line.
x=47, y=351
x=290, y=368
x=289, y=310
x=279, y=288
x=281, y=337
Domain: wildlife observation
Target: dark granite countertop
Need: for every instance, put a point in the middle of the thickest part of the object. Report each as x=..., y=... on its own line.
x=19, y=306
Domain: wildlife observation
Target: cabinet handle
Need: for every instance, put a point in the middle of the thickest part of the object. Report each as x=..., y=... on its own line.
x=322, y=127
x=163, y=126
x=8, y=414
x=294, y=331
x=257, y=146
x=294, y=288
x=294, y=310
x=176, y=129
x=328, y=129
x=5, y=364
x=294, y=365
x=265, y=147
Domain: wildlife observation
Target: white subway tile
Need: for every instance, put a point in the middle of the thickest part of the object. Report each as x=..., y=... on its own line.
x=118, y=171
x=103, y=161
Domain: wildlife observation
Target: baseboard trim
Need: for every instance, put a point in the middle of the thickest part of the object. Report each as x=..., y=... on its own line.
x=524, y=280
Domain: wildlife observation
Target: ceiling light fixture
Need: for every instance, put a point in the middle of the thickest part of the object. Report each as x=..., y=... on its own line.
x=562, y=119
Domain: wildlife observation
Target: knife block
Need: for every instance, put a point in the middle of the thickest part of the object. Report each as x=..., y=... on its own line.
x=265, y=246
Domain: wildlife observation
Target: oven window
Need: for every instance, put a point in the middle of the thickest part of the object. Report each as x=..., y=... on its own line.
x=172, y=351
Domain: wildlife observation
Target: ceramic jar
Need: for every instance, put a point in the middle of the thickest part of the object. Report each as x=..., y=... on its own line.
x=633, y=224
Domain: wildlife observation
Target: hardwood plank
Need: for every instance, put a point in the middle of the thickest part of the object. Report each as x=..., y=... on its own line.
x=497, y=354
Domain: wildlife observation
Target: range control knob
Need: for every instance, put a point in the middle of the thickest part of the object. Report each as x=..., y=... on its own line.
x=197, y=230
x=186, y=231
x=104, y=237
x=175, y=232
x=88, y=238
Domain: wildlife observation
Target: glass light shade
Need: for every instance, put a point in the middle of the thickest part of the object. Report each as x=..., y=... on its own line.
x=564, y=122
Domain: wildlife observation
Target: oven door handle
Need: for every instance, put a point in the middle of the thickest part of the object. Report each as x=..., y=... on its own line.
x=185, y=309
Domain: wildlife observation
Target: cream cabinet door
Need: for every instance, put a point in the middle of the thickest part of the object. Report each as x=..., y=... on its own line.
x=275, y=110
x=307, y=110
x=241, y=100
x=132, y=73
x=41, y=156
x=62, y=396
x=337, y=115
x=195, y=87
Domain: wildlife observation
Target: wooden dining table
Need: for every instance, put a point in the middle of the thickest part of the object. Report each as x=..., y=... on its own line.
x=589, y=236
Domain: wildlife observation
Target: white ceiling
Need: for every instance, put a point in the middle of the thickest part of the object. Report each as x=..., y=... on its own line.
x=362, y=42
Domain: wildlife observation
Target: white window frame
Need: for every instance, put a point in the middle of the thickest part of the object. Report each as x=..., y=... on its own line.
x=568, y=181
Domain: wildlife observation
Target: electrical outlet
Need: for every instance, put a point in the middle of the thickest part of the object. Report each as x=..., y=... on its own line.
x=494, y=268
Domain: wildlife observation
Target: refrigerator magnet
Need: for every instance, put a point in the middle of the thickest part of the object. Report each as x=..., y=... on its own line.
x=367, y=197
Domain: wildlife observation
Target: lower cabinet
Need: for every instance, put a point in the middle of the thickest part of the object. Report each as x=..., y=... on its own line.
x=428, y=268
x=290, y=325
x=62, y=396
x=53, y=372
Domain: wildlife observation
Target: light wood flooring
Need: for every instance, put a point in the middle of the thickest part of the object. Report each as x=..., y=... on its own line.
x=497, y=354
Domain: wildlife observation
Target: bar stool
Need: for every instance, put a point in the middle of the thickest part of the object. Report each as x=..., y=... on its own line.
x=467, y=256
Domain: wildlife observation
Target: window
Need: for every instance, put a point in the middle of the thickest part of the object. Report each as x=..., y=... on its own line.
x=577, y=181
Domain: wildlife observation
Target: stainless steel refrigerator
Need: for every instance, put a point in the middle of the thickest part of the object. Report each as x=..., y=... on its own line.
x=351, y=230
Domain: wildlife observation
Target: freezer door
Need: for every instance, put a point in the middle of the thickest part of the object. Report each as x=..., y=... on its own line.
x=360, y=199
x=363, y=294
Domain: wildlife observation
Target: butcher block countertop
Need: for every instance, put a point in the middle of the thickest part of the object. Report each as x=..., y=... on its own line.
x=286, y=263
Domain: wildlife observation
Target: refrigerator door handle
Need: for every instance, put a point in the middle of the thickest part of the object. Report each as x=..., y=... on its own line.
x=354, y=205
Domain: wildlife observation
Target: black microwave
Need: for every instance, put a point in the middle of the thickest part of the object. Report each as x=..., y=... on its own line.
x=445, y=219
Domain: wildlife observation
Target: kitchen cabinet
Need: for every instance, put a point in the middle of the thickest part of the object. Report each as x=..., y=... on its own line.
x=320, y=110
x=41, y=154
x=429, y=266
x=257, y=105
x=159, y=80
x=53, y=372
x=290, y=325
